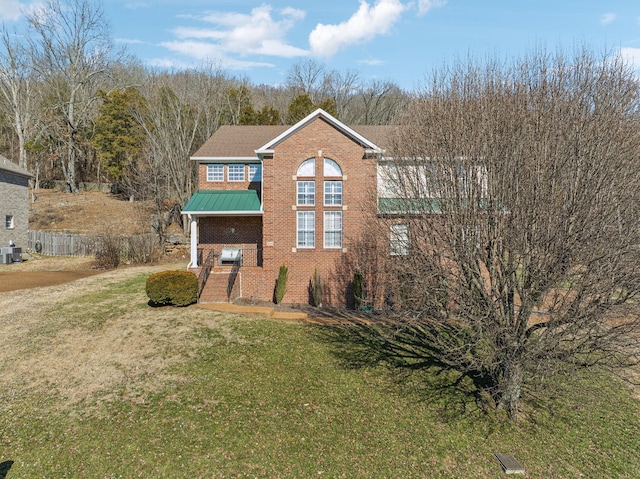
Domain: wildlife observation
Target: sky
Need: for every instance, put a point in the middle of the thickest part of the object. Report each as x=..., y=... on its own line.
x=398, y=40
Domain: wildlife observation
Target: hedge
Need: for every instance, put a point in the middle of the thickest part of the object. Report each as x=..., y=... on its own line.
x=178, y=288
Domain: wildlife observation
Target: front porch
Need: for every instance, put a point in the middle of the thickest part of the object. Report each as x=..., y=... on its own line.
x=222, y=280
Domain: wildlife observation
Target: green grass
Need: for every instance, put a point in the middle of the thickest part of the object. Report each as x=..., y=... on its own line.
x=261, y=398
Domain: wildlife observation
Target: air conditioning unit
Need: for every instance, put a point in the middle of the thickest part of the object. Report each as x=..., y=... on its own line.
x=6, y=258
x=17, y=255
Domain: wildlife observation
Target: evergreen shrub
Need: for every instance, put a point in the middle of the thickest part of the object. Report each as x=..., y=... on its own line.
x=177, y=288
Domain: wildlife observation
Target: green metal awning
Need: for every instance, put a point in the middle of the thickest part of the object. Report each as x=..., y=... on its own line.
x=417, y=206
x=390, y=206
x=220, y=202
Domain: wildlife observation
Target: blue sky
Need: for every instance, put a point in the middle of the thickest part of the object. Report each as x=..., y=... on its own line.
x=398, y=40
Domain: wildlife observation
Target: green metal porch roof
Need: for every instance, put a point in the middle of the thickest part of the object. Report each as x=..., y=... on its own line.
x=221, y=202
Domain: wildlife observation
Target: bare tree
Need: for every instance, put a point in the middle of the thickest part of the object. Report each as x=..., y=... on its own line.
x=72, y=46
x=17, y=89
x=517, y=186
x=308, y=77
x=378, y=103
x=183, y=110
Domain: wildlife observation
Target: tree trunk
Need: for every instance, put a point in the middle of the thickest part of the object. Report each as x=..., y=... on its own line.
x=511, y=388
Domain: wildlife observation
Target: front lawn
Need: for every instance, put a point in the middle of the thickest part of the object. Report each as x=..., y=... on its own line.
x=109, y=388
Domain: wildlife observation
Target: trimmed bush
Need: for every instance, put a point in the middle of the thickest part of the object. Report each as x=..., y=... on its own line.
x=177, y=288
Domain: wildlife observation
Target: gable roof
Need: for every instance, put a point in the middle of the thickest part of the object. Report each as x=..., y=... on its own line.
x=319, y=113
x=10, y=167
x=247, y=142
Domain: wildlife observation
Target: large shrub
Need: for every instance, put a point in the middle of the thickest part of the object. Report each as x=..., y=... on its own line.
x=178, y=288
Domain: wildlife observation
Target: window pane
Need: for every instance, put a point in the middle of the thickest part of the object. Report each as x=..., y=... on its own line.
x=8, y=219
x=255, y=172
x=236, y=172
x=333, y=229
x=399, y=241
x=306, y=193
x=306, y=229
x=331, y=168
x=215, y=172
x=308, y=168
x=333, y=193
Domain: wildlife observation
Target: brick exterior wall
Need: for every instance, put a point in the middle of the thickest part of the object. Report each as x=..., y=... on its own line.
x=14, y=201
x=317, y=140
x=276, y=230
x=226, y=185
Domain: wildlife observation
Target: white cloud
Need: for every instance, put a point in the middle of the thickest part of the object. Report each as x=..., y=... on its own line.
x=607, y=18
x=137, y=5
x=372, y=62
x=257, y=33
x=10, y=10
x=425, y=5
x=131, y=41
x=203, y=52
x=363, y=26
x=631, y=56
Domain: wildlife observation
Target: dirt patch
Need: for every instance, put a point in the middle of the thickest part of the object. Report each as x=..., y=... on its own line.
x=36, y=279
x=39, y=271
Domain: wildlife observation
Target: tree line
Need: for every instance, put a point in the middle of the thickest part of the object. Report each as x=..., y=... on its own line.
x=75, y=108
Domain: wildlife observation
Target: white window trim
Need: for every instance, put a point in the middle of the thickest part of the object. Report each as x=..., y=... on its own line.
x=299, y=215
x=211, y=174
x=327, y=182
x=9, y=222
x=307, y=195
x=328, y=214
x=229, y=173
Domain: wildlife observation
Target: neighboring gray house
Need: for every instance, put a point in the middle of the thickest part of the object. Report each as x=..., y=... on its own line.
x=14, y=203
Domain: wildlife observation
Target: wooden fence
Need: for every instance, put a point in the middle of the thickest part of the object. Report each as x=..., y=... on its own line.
x=67, y=244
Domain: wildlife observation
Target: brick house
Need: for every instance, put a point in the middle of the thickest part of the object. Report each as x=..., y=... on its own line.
x=281, y=195
x=14, y=203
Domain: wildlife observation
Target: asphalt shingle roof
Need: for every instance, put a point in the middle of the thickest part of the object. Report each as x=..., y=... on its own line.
x=240, y=141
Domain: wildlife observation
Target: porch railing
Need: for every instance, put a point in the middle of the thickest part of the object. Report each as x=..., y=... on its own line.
x=250, y=256
x=205, y=269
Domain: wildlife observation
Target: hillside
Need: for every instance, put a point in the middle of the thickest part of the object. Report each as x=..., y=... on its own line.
x=89, y=213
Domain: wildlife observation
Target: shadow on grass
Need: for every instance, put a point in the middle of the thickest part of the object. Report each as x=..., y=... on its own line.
x=4, y=468
x=409, y=357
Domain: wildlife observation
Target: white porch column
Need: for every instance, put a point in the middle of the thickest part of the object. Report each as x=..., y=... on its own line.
x=194, y=241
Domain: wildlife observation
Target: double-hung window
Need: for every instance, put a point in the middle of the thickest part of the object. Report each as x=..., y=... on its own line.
x=333, y=193
x=306, y=193
x=333, y=229
x=8, y=221
x=235, y=172
x=255, y=172
x=306, y=229
x=215, y=172
x=399, y=240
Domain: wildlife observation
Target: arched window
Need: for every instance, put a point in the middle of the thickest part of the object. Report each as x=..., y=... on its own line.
x=307, y=168
x=331, y=168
